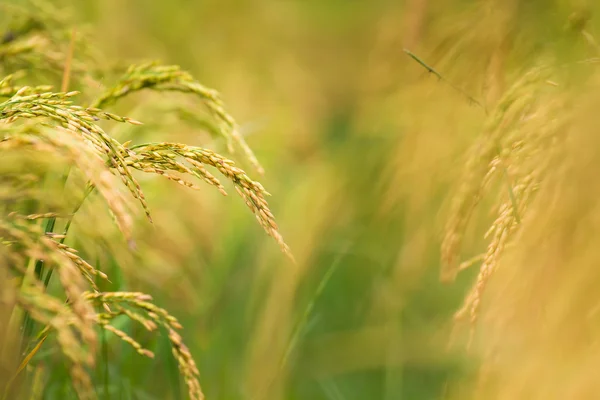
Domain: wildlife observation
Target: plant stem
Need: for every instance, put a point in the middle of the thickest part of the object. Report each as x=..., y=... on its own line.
x=89, y=190
x=441, y=78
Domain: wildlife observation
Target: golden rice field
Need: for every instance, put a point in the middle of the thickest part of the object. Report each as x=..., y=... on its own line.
x=299, y=200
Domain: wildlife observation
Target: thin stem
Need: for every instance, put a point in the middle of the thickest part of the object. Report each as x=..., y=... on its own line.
x=302, y=322
x=308, y=311
x=441, y=78
x=67, y=69
x=105, y=374
x=89, y=190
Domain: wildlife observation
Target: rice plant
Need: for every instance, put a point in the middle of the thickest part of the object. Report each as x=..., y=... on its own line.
x=57, y=153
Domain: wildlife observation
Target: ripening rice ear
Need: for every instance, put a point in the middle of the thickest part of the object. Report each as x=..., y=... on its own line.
x=50, y=130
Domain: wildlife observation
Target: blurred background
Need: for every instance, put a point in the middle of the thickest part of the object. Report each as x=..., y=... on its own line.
x=363, y=150
x=341, y=120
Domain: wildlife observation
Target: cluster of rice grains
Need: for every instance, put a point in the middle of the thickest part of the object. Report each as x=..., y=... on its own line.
x=36, y=124
x=518, y=145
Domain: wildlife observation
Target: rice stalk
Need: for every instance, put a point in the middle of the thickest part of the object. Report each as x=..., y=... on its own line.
x=162, y=157
x=171, y=78
x=41, y=130
x=517, y=148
